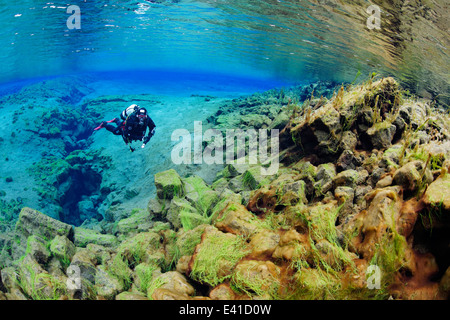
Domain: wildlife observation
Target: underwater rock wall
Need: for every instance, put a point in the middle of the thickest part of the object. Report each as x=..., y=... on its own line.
x=362, y=185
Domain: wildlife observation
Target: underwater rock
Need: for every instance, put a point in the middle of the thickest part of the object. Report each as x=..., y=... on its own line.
x=37, y=249
x=347, y=161
x=176, y=282
x=381, y=134
x=84, y=236
x=10, y=279
x=438, y=193
x=259, y=277
x=292, y=246
x=345, y=196
x=412, y=175
x=263, y=243
x=168, y=184
x=236, y=219
x=86, y=261
x=36, y=282
x=167, y=294
x=34, y=223
x=139, y=221
x=347, y=178
x=133, y=296
x=181, y=209
x=215, y=257
x=222, y=292
x=107, y=286
x=62, y=248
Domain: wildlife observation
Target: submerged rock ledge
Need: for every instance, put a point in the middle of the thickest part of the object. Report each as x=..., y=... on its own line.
x=359, y=209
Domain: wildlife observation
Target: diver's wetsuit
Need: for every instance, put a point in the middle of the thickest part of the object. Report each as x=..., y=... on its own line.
x=131, y=130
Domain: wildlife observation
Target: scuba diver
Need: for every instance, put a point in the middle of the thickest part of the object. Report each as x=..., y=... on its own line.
x=132, y=125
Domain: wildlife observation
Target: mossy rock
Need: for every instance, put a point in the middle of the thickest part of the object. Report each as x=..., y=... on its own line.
x=178, y=208
x=260, y=278
x=187, y=240
x=143, y=247
x=236, y=219
x=36, y=283
x=106, y=284
x=140, y=220
x=437, y=194
x=168, y=185
x=37, y=248
x=254, y=179
x=381, y=134
x=34, y=223
x=62, y=248
x=216, y=256
x=131, y=296
x=84, y=236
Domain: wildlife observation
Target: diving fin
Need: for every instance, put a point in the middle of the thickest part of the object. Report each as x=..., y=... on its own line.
x=102, y=125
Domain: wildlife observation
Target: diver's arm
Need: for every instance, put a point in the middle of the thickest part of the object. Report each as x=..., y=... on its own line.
x=151, y=132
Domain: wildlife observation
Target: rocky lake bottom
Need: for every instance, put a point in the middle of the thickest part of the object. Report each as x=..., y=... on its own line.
x=358, y=208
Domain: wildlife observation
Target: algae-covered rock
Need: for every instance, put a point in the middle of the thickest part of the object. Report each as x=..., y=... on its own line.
x=9, y=278
x=253, y=178
x=36, y=282
x=143, y=247
x=167, y=294
x=139, y=221
x=438, y=193
x=187, y=239
x=181, y=211
x=107, y=286
x=37, y=249
x=85, y=236
x=84, y=262
x=293, y=246
x=411, y=175
x=222, y=292
x=261, y=278
x=215, y=257
x=201, y=196
x=381, y=134
x=235, y=218
x=324, y=178
x=263, y=243
x=130, y=296
x=62, y=248
x=32, y=222
x=347, y=178
x=175, y=281
x=168, y=184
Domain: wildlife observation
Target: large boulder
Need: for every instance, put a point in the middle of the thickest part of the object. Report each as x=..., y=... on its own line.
x=34, y=223
x=168, y=184
x=139, y=221
x=62, y=248
x=412, y=175
x=259, y=277
x=236, y=219
x=84, y=236
x=215, y=256
x=107, y=285
x=175, y=281
x=381, y=134
x=438, y=193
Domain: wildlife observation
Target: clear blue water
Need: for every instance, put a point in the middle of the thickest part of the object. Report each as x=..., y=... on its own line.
x=282, y=40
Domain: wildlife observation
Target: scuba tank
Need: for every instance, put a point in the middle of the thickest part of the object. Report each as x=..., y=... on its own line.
x=126, y=113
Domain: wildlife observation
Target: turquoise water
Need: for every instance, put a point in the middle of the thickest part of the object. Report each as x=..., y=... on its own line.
x=287, y=40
